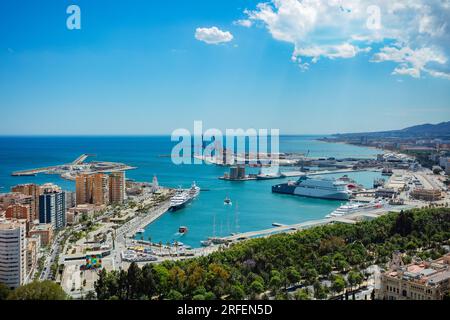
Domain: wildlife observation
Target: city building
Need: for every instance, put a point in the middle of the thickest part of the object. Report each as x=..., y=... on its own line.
x=33, y=246
x=70, y=199
x=7, y=199
x=74, y=214
x=83, y=189
x=237, y=173
x=385, y=193
x=34, y=191
x=117, y=187
x=44, y=232
x=50, y=187
x=421, y=280
x=426, y=194
x=444, y=163
x=52, y=209
x=100, y=189
x=92, y=188
x=12, y=253
x=19, y=211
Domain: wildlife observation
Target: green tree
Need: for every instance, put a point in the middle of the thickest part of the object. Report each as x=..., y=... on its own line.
x=237, y=292
x=4, y=291
x=354, y=279
x=148, y=285
x=275, y=281
x=174, y=295
x=292, y=275
x=134, y=281
x=38, y=290
x=320, y=291
x=338, y=284
x=404, y=223
x=302, y=294
x=257, y=287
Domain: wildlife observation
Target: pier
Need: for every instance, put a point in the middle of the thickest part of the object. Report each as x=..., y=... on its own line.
x=32, y=172
x=352, y=218
x=289, y=174
x=80, y=159
x=78, y=166
x=283, y=229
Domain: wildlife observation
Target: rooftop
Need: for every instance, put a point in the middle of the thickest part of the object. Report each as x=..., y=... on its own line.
x=424, y=272
x=41, y=227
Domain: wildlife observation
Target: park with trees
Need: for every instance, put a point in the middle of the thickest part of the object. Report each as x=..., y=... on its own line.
x=264, y=267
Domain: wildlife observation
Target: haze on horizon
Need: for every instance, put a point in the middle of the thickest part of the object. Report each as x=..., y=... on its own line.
x=137, y=69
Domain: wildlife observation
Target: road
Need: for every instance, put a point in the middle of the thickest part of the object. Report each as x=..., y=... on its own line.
x=46, y=273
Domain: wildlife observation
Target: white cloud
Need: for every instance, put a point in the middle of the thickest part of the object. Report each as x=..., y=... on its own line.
x=413, y=33
x=213, y=35
x=344, y=50
x=243, y=23
x=411, y=62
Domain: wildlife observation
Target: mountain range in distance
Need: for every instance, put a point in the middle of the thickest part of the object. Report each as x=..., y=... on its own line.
x=440, y=130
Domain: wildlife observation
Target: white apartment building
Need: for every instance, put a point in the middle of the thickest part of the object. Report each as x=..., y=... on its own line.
x=12, y=253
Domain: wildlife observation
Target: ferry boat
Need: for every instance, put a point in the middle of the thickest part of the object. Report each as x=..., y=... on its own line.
x=315, y=188
x=352, y=207
x=183, y=197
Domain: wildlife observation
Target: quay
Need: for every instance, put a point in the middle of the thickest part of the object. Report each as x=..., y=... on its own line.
x=78, y=166
x=349, y=219
x=32, y=172
x=290, y=174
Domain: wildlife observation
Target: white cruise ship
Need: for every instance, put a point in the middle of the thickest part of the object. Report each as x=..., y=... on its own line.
x=183, y=197
x=352, y=207
x=315, y=188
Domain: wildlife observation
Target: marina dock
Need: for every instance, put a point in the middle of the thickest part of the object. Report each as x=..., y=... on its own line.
x=349, y=219
x=290, y=174
x=275, y=230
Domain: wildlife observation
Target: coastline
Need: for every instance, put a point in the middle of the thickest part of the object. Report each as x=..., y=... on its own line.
x=140, y=222
x=357, y=145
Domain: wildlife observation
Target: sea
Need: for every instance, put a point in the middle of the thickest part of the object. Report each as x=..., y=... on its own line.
x=254, y=206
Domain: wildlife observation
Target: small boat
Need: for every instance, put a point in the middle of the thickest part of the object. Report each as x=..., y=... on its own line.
x=182, y=229
x=206, y=243
x=140, y=231
x=276, y=224
x=227, y=201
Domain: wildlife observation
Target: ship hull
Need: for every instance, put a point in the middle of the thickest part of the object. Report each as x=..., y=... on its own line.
x=310, y=193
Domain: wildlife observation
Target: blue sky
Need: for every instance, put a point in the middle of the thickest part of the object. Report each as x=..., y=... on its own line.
x=136, y=67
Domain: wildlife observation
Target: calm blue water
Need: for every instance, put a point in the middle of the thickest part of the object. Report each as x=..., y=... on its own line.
x=254, y=206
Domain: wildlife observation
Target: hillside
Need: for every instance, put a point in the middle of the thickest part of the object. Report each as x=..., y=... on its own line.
x=440, y=130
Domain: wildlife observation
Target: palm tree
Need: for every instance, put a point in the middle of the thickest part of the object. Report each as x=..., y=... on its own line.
x=176, y=248
x=168, y=246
